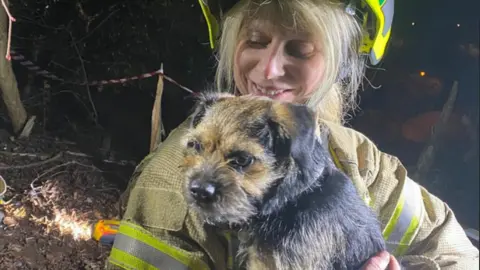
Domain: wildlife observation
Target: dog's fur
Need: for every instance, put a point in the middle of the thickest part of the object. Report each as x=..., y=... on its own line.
x=270, y=175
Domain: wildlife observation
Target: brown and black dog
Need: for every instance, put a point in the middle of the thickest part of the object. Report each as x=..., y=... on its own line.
x=261, y=166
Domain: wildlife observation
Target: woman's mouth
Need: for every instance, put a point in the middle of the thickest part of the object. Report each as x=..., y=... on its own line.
x=268, y=91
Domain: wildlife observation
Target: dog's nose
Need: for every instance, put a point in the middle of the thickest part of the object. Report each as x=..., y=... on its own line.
x=203, y=191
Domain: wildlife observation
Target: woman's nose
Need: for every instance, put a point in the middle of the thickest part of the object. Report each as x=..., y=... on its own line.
x=273, y=62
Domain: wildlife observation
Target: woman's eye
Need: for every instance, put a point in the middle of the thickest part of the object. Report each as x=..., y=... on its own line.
x=257, y=44
x=300, y=49
x=194, y=145
x=257, y=40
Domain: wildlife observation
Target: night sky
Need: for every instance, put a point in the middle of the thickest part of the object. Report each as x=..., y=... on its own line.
x=435, y=26
x=433, y=43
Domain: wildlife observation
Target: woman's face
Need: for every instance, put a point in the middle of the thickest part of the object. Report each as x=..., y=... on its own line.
x=279, y=64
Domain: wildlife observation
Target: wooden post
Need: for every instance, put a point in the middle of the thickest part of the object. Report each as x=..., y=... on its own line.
x=427, y=157
x=8, y=83
x=157, y=125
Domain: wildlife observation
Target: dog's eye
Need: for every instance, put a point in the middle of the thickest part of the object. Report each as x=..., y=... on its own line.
x=242, y=160
x=195, y=145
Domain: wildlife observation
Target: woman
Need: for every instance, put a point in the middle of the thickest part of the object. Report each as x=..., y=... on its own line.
x=302, y=51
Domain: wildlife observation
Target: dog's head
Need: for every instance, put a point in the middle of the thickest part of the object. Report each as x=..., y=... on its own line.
x=241, y=152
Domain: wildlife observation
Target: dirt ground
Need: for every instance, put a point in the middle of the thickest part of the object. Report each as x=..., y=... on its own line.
x=55, y=192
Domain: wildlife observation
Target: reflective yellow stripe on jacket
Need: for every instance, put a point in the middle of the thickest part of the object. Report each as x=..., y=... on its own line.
x=403, y=225
x=233, y=245
x=136, y=248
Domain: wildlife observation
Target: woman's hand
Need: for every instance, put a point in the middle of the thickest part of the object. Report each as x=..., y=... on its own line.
x=382, y=261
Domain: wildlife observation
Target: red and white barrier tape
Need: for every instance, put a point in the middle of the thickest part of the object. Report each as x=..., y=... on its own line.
x=42, y=72
x=11, y=19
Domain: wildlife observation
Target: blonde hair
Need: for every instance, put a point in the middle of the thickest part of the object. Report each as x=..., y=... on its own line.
x=340, y=33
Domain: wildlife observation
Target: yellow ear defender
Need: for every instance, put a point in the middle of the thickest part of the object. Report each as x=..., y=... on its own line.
x=380, y=14
x=376, y=15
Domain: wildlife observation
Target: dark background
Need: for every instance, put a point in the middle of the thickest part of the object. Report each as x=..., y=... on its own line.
x=115, y=39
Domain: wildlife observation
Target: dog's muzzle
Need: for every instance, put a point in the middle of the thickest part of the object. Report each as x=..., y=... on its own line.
x=203, y=192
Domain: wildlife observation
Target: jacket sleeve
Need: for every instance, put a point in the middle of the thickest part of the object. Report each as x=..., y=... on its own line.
x=157, y=230
x=420, y=229
x=440, y=241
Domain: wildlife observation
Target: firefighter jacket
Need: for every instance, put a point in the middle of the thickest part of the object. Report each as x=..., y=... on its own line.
x=159, y=231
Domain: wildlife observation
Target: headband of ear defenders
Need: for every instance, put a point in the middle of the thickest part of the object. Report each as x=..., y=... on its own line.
x=375, y=14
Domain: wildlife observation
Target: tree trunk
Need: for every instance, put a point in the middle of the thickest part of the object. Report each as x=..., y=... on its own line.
x=427, y=157
x=8, y=82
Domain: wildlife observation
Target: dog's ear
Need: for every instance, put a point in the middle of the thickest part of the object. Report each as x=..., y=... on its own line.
x=205, y=101
x=293, y=134
x=304, y=140
x=276, y=138
x=288, y=130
